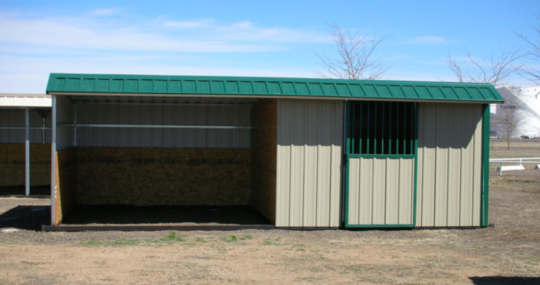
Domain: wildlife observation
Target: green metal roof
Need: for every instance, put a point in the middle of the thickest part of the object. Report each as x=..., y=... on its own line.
x=270, y=87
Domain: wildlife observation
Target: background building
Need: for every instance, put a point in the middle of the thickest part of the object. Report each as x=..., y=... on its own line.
x=522, y=108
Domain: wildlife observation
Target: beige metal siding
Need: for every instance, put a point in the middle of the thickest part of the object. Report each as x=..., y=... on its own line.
x=449, y=165
x=310, y=135
x=381, y=191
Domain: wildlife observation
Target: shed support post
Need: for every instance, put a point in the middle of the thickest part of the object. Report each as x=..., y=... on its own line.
x=27, y=153
x=53, y=162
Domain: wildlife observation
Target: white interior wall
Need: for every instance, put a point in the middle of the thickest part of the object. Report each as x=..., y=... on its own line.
x=16, y=118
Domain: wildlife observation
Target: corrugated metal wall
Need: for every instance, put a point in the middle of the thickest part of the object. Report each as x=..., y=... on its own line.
x=64, y=115
x=163, y=114
x=310, y=135
x=16, y=118
x=449, y=165
x=381, y=191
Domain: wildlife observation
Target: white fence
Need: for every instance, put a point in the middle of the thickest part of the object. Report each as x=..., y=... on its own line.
x=517, y=163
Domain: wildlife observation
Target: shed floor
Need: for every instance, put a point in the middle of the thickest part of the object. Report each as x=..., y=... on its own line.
x=189, y=215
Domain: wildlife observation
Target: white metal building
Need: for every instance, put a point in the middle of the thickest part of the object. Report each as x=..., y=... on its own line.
x=25, y=137
x=525, y=102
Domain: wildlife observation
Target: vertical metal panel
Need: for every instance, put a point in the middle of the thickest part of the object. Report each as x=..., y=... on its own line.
x=299, y=144
x=312, y=131
x=366, y=196
x=310, y=134
x=163, y=114
x=405, y=192
x=381, y=191
x=335, y=168
x=449, y=165
x=285, y=128
x=354, y=190
x=392, y=190
x=477, y=169
x=443, y=134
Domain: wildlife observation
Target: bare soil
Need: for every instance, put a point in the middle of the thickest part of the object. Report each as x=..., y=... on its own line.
x=509, y=253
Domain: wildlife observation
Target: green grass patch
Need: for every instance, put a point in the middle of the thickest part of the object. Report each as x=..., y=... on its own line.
x=118, y=242
x=229, y=239
x=171, y=237
x=235, y=238
x=168, y=239
x=272, y=241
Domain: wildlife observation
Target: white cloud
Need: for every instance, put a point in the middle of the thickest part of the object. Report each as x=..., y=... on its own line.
x=428, y=40
x=167, y=36
x=32, y=47
x=43, y=32
x=105, y=12
x=15, y=76
x=188, y=24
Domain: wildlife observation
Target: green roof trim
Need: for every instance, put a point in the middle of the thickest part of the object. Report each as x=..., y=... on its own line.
x=270, y=87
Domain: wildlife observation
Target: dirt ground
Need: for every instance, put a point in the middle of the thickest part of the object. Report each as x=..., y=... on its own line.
x=509, y=253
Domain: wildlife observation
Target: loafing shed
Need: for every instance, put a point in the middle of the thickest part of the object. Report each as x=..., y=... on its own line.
x=302, y=153
x=25, y=137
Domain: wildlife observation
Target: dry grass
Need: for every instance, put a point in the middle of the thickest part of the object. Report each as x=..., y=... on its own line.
x=506, y=254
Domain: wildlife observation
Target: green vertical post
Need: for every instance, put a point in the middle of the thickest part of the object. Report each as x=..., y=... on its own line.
x=397, y=129
x=404, y=128
x=412, y=130
x=360, y=129
x=368, y=127
x=346, y=129
x=352, y=128
x=375, y=131
x=485, y=165
x=390, y=128
x=382, y=129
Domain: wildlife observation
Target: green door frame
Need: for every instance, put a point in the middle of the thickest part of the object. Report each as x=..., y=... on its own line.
x=347, y=156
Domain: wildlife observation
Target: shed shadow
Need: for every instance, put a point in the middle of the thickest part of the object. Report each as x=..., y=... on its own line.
x=26, y=217
x=128, y=214
x=503, y=280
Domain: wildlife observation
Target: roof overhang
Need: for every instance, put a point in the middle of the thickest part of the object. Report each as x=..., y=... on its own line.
x=267, y=97
x=258, y=87
x=15, y=101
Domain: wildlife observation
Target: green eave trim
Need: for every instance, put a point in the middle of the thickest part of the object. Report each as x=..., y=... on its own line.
x=273, y=87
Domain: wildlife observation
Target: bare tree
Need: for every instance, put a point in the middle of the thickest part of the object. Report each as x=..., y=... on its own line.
x=508, y=119
x=494, y=70
x=528, y=71
x=356, y=56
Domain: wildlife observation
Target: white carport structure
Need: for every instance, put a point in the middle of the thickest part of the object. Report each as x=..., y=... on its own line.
x=25, y=118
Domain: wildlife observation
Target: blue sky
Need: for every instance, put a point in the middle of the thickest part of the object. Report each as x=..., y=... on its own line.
x=246, y=38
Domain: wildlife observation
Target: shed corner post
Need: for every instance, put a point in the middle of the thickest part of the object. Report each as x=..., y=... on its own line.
x=485, y=164
x=53, y=162
x=27, y=152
